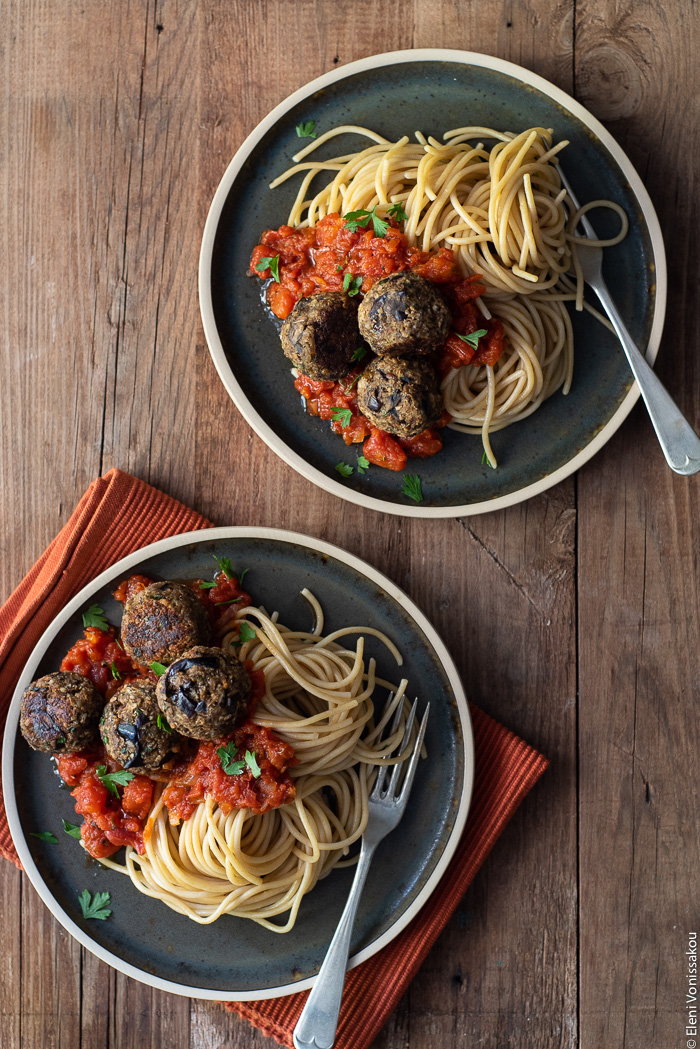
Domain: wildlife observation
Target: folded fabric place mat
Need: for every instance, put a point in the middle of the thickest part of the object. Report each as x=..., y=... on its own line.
x=120, y=514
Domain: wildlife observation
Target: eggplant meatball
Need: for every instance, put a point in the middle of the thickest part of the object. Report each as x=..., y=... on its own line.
x=320, y=335
x=400, y=395
x=130, y=732
x=205, y=693
x=404, y=313
x=60, y=712
x=161, y=621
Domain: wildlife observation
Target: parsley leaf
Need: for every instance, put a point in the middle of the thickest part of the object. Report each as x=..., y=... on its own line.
x=162, y=723
x=111, y=779
x=225, y=565
x=271, y=262
x=485, y=461
x=343, y=469
x=354, y=219
x=158, y=669
x=307, y=130
x=252, y=763
x=362, y=464
x=351, y=284
x=342, y=416
x=227, y=755
x=95, y=617
x=359, y=353
x=94, y=908
x=71, y=828
x=473, y=339
x=411, y=487
x=207, y=585
x=45, y=835
x=246, y=633
x=397, y=212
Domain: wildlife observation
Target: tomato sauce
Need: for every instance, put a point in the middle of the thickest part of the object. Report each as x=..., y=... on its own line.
x=100, y=657
x=324, y=258
x=112, y=821
x=205, y=776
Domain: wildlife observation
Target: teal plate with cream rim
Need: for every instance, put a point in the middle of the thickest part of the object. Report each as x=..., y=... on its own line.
x=234, y=958
x=431, y=91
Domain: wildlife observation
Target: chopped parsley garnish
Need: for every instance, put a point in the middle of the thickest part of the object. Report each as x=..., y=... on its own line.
x=355, y=219
x=95, y=908
x=271, y=263
x=356, y=379
x=411, y=487
x=342, y=416
x=397, y=212
x=231, y=602
x=158, y=669
x=362, y=464
x=359, y=353
x=162, y=723
x=352, y=284
x=473, y=339
x=224, y=564
x=207, y=585
x=242, y=576
x=71, y=828
x=306, y=130
x=111, y=779
x=232, y=767
x=227, y=757
x=45, y=835
x=485, y=461
x=246, y=633
x=115, y=673
x=95, y=617
x=343, y=469
x=252, y=763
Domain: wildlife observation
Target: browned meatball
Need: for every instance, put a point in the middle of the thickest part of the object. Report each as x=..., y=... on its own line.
x=205, y=693
x=60, y=713
x=320, y=335
x=400, y=395
x=404, y=313
x=161, y=621
x=130, y=731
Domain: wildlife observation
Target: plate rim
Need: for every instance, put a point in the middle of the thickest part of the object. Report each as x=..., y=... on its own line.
x=226, y=373
x=225, y=532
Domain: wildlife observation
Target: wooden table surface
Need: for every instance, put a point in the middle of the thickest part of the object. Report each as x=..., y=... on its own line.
x=572, y=617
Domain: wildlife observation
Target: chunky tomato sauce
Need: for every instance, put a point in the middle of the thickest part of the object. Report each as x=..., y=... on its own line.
x=113, y=821
x=99, y=656
x=319, y=259
x=205, y=776
x=110, y=822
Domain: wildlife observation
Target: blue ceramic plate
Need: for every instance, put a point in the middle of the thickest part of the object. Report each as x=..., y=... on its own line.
x=431, y=91
x=234, y=958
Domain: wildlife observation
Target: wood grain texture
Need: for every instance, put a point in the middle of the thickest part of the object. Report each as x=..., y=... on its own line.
x=572, y=618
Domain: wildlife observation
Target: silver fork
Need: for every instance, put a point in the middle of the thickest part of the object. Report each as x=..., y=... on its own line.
x=318, y=1023
x=679, y=442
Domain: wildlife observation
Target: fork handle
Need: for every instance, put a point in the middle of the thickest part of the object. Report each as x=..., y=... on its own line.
x=679, y=441
x=318, y=1023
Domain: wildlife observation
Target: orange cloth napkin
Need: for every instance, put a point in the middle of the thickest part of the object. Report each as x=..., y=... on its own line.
x=119, y=514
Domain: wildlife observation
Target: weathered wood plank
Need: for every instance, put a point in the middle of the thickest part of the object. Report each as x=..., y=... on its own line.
x=639, y=622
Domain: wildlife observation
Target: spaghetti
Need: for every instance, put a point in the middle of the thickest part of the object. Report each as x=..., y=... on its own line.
x=319, y=698
x=506, y=216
